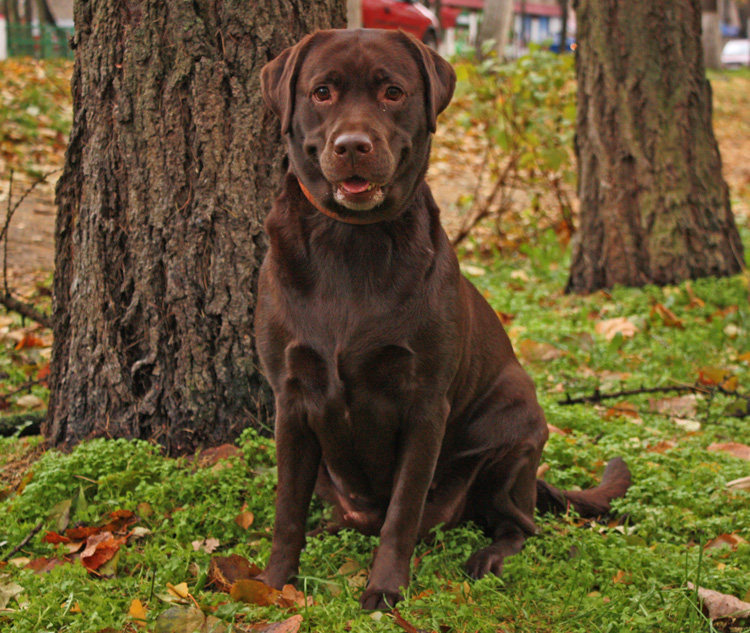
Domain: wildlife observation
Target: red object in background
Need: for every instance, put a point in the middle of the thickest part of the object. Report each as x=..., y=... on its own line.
x=408, y=15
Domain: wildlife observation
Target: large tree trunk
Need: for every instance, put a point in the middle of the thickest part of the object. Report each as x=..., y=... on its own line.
x=654, y=206
x=496, y=22
x=172, y=164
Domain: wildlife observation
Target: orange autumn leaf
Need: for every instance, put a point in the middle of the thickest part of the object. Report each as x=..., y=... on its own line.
x=669, y=318
x=291, y=597
x=100, y=548
x=54, y=538
x=244, y=519
x=254, y=592
x=118, y=521
x=623, y=409
x=43, y=373
x=28, y=341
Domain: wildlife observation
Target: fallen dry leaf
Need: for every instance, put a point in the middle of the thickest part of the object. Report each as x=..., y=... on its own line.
x=725, y=540
x=695, y=301
x=99, y=549
x=290, y=597
x=712, y=376
x=43, y=565
x=178, y=591
x=662, y=447
x=8, y=592
x=733, y=448
x=407, y=626
x=180, y=619
x=208, y=545
x=224, y=571
x=244, y=519
x=534, y=351
x=691, y=426
x=669, y=318
x=680, y=406
x=254, y=592
x=291, y=625
x=356, y=574
x=117, y=522
x=609, y=328
x=28, y=341
x=625, y=410
x=211, y=456
x=743, y=483
x=30, y=401
x=722, y=606
x=505, y=318
x=621, y=577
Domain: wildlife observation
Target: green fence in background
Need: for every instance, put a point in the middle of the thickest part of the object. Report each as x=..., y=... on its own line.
x=40, y=41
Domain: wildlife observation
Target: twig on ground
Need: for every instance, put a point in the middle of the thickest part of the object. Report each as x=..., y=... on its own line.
x=23, y=543
x=709, y=391
x=598, y=396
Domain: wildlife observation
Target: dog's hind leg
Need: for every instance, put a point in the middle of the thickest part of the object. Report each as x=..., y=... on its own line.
x=503, y=501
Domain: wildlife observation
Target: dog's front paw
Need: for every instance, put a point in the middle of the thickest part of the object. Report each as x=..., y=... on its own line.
x=487, y=560
x=380, y=599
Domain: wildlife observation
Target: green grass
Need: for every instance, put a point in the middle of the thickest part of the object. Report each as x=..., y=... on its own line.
x=576, y=576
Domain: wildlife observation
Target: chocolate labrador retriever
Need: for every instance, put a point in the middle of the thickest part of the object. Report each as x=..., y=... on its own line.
x=398, y=396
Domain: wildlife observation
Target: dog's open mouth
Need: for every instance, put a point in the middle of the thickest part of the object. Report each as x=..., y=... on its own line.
x=358, y=194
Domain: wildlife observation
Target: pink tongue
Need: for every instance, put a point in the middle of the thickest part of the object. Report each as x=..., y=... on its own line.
x=355, y=185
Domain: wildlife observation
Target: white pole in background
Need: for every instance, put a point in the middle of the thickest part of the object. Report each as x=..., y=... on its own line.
x=3, y=38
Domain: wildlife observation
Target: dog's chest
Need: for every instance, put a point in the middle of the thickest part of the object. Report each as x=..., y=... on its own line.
x=332, y=373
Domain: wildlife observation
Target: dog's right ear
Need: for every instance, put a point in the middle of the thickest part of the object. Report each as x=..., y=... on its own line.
x=278, y=80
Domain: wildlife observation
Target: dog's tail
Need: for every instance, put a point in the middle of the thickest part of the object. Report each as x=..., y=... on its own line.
x=589, y=503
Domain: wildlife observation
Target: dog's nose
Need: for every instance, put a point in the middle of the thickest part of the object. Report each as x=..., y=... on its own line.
x=352, y=144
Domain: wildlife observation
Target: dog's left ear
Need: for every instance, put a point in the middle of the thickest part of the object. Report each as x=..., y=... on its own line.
x=278, y=80
x=438, y=76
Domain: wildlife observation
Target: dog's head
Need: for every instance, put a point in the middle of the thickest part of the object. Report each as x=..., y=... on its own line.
x=357, y=109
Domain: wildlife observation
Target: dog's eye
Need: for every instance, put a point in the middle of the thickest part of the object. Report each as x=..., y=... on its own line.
x=393, y=93
x=321, y=93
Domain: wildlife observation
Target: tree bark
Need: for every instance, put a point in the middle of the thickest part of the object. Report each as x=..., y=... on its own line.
x=45, y=15
x=172, y=164
x=564, y=25
x=495, y=25
x=654, y=206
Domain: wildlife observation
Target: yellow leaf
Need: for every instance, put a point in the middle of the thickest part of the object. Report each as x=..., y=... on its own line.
x=713, y=375
x=138, y=612
x=178, y=591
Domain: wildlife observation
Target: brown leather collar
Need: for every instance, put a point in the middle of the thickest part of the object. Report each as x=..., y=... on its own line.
x=333, y=214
